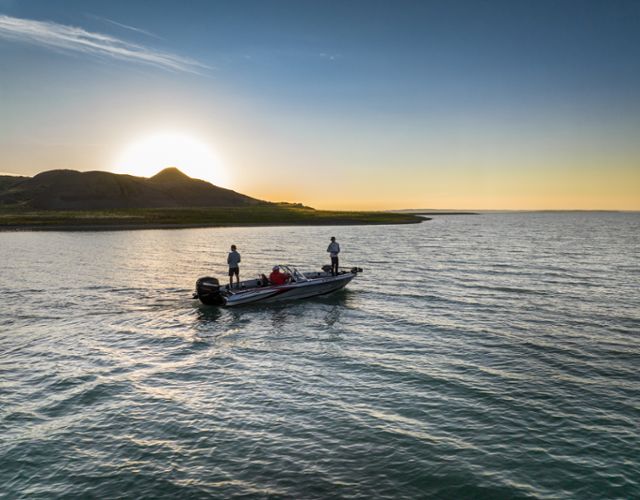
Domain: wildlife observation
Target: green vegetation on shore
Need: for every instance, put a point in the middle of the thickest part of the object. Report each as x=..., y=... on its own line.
x=140, y=218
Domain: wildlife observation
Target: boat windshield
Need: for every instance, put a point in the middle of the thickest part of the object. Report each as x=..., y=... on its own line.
x=296, y=275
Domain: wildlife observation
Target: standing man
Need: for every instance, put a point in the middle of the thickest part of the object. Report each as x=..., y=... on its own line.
x=334, y=250
x=233, y=260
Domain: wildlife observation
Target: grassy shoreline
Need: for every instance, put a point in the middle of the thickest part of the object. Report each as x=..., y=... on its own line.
x=20, y=219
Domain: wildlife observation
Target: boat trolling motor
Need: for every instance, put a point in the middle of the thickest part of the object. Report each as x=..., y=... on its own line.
x=354, y=270
x=208, y=291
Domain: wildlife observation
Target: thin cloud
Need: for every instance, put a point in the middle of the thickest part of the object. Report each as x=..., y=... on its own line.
x=330, y=57
x=125, y=26
x=60, y=36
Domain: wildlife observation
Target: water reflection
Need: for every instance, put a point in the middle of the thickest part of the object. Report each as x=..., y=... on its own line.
x=333, y=316
x=208, y=314
x=280, y=310
x=280, y=317
x=296, y=317
x=339, y=297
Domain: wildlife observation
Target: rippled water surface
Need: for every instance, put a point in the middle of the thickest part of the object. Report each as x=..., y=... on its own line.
x=490, y=356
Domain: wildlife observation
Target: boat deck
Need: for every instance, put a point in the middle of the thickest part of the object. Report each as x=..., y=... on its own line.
x=263, y=282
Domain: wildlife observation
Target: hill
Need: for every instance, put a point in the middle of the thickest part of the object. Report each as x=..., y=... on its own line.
x=71, y=200
x=73, y=190
x=8, y=181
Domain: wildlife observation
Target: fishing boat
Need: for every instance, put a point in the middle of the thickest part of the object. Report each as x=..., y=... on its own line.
x=260, y=290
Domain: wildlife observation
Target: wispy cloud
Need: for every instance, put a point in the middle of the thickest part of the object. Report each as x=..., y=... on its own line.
x=60, y=36
x=124, y=26
x=330, y=57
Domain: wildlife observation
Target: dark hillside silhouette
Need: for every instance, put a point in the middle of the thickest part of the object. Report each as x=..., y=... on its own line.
x=73, y=190
x=8, y=181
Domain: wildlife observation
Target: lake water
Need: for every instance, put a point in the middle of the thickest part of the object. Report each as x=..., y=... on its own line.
x=489, y=356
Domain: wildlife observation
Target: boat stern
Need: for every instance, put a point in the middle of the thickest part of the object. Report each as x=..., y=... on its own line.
x=208, y=291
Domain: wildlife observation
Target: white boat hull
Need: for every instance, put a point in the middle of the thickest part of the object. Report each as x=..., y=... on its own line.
x=289, y=291
x=302, y=286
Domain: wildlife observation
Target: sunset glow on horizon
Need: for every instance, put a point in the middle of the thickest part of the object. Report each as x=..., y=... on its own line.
x=149, y=155
x=358, y=106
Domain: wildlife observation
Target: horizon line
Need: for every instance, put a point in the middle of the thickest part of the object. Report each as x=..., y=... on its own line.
x=416, y=211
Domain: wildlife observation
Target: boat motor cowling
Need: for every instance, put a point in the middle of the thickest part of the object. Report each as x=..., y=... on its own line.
x=208, y=291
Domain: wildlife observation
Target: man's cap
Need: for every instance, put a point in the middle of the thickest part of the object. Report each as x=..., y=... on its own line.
x=275, y=268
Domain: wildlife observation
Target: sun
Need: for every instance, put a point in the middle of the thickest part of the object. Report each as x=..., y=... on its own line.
x=147, y=156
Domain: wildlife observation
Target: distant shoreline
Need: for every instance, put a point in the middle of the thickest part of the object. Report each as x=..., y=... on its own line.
x=440, y=213
x=19, y=219
x=137, y=227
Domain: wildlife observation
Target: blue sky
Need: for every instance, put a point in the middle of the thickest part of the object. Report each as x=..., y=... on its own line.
x=476, y=104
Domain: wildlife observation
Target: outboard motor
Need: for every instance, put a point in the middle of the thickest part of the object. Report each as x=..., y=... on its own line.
x=208, y=291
